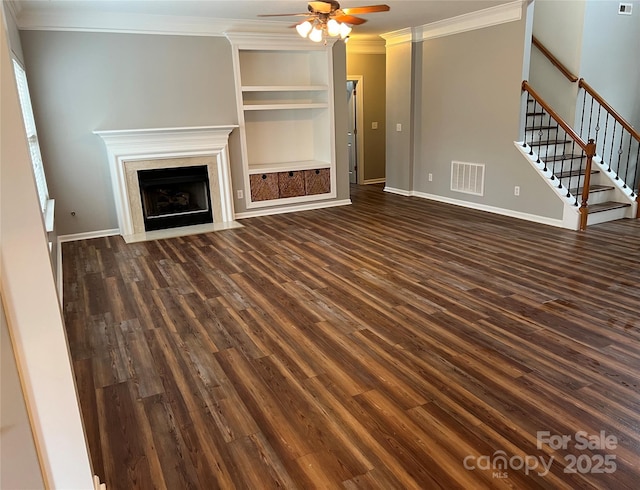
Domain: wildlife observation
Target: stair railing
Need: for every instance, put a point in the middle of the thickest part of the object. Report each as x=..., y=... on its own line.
x=554, y=61
x=588, y=149
x=617, y=141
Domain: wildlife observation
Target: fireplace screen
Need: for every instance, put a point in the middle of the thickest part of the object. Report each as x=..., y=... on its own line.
x=173, y=197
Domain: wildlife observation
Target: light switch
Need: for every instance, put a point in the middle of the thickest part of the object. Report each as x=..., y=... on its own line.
x=398, y=127
x=374, y=125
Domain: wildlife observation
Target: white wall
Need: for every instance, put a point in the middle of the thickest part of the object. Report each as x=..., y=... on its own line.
x=31, y=304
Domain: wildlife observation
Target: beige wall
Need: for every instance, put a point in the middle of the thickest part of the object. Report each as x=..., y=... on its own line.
x=31, y=304
x=559, y=26
x=19, y=466
x=399, y=171
x=86, y=81
x=463, y=94
x=372, y=69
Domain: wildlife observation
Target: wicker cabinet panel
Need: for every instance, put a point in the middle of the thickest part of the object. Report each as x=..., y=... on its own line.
x=264, y=186
x=291, y=184
x=317, y=181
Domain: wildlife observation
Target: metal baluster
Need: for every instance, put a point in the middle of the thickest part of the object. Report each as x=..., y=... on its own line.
x=626, y=172
x=618, y=166
x=590, y=117
x=584, y=104
x=636, y=185
x=604, y=140
x=613, y=139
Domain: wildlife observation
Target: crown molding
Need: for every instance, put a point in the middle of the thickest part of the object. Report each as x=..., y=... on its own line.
x=398, y=37
x=492, y=16
x=370, y=46
x=262, y=40
x=13, y=8
x=117, y=22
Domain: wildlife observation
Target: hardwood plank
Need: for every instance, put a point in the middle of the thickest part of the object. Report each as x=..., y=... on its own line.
x=368, y=346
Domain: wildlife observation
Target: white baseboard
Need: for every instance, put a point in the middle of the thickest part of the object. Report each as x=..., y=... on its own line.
x=375, y=181
x=480, y=207
x=88, y=235
x=292, y=209
x=401, y=192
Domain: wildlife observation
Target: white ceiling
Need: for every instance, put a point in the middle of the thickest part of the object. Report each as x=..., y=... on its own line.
x=403, y=13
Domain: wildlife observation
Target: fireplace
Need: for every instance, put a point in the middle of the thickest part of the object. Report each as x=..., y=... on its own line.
x=175, y=197
x=171, y=181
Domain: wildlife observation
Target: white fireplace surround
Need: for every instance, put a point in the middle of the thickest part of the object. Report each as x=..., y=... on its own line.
x=136, y=149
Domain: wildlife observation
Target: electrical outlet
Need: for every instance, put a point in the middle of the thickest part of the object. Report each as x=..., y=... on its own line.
x=430, y=177
x=398, y=127
x=374, y=125
x=516, y=190
x=240, y=194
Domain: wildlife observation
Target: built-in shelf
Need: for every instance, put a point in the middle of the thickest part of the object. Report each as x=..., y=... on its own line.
x=277, y=107
x=265, y=168
x=284, y=88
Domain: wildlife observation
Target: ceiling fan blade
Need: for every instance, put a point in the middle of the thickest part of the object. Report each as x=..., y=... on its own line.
x=366, y=10
x=322, y=7
x=305, y=14
x=350, y=19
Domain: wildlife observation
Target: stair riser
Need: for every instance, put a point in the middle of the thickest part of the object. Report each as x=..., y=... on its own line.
x=551, y=150
x=600, y=197
x=604, y=216
x=547, y=134
x=573, y=182
x=559, y=167
x=541, y=120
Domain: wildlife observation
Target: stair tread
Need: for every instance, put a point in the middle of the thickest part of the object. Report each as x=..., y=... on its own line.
x=539, y=113
x=558, y=158
x=535, y=128
x=606, y=206
x=592, y=188
x=544, y=142
x=575, y=173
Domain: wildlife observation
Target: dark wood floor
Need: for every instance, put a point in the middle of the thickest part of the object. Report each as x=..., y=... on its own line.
x=394, y=343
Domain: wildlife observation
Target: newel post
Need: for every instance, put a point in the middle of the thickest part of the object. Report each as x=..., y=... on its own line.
x=590, y=151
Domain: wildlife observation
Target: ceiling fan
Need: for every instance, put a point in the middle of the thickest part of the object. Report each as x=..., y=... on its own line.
x=327, y=18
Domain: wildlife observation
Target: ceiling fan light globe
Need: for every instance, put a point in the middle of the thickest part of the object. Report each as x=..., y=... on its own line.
x=345, y=30
x=304, y=28
x=316, y=35
x=333, y=27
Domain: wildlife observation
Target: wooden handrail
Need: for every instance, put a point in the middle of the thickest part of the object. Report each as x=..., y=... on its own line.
x=589, y=89
x=555, y=61
x=569, y=130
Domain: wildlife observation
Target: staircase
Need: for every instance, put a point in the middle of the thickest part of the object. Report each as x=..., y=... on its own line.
x=558, y=154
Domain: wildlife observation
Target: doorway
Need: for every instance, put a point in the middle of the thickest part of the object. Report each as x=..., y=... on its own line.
x=354, y=138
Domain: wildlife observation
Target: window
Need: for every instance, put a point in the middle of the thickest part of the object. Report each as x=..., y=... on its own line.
x=32, y=136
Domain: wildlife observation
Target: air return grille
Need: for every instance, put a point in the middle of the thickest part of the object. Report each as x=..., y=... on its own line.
x=467, y=178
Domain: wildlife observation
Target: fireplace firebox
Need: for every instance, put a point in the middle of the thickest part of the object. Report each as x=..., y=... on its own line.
x=174, y=197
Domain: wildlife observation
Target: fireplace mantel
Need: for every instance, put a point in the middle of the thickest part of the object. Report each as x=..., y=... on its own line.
x=131, y=150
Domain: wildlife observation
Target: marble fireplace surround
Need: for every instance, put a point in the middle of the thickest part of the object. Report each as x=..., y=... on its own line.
x=142, y=149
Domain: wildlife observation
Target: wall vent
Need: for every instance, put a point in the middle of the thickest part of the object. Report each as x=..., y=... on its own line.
x=467, y=178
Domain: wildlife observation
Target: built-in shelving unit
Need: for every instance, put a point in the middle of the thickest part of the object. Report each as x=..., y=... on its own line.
x=284, y=86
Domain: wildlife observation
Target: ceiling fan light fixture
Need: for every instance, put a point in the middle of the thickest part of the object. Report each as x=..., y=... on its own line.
x=304, y=28
x=315, y=35
x=345, y=30
x=333, y=27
